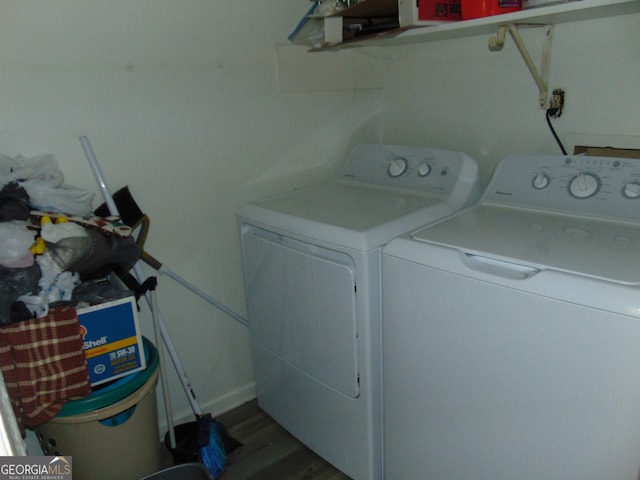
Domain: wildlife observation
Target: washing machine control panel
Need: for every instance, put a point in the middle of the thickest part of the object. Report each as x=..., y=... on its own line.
x=409, y=167
x=598, y=186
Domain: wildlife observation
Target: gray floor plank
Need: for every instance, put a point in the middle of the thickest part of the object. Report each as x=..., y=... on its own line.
x=268, y=451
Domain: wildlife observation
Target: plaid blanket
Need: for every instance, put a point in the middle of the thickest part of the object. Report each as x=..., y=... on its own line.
x=44, y=365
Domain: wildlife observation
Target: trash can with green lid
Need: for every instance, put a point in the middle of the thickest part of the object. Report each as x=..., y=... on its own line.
x=113, y=432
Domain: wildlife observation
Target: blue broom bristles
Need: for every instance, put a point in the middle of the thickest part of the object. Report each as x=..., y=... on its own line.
x=212, y=451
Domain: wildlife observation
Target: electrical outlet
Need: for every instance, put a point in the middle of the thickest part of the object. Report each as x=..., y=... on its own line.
x=556, y=103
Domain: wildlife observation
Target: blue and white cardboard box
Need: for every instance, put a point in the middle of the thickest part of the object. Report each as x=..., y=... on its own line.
x=112, y=340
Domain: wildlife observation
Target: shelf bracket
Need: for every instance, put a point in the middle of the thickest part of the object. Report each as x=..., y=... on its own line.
x=541, y=77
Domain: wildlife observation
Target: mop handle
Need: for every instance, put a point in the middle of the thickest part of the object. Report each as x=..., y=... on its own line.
x=202, y=294
x=157, y=266
x=113, y=210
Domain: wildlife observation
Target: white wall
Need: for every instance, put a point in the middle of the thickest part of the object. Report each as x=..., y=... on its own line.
x=457, y=94
x=181, y=101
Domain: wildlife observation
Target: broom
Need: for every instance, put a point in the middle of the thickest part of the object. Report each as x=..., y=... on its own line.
x=212, y=452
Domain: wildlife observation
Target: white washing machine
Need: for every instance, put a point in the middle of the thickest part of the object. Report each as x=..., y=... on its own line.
x=512, y=330
x=311, y=264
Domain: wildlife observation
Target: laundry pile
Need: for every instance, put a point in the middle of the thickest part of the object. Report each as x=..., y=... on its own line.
x=52, y=247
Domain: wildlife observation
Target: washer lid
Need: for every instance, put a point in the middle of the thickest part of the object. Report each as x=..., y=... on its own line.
x=594, y=248
x=349, y=214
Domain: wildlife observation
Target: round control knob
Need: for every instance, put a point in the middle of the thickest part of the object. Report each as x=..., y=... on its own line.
x=397, y=167
x=540, y=181
x=584, y=185
x=424, y=169
x=631, y=190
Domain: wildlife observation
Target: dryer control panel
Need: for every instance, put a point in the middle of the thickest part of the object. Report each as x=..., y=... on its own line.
x=592, y=186
x=409, y=167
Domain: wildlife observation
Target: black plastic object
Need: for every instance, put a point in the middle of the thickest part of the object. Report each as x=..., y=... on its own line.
x=187, y=449
x=128, y=209
x=188, y=438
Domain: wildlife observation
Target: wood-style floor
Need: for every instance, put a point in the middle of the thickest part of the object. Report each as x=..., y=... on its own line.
x=268, y=451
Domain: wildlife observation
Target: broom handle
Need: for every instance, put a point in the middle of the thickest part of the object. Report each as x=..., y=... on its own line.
x=113, y=210
x=175, y=359
x=163, y=371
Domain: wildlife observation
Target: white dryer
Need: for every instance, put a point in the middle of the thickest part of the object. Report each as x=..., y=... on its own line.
x=512, y=330
x=311, y=263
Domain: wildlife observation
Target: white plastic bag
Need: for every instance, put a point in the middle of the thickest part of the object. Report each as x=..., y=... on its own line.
x=15, y=241
x=44, y=183
x=63, y=199
x=42, y=169
x=55, y=285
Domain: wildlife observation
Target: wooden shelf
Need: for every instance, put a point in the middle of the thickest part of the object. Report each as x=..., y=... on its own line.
x=550, y=15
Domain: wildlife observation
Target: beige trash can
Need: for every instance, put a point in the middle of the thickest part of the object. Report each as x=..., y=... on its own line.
x=110, y=434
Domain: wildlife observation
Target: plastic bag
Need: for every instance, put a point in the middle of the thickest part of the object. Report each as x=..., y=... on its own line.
x=42, y=169
x=44, y=183
x=55, y=285
x=14, y=203
x=54, y=232
x=65, y=199
x=105, y=253
x=66, y=242
x=15, y=282
x=15, y=241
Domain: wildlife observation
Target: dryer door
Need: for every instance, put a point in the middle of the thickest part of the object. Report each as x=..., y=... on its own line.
x=301, y=303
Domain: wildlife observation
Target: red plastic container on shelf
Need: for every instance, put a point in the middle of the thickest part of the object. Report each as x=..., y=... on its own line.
x=439, y=10
x=485, y=8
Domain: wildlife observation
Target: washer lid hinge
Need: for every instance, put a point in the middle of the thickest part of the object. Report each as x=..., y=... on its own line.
x=541, y=77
